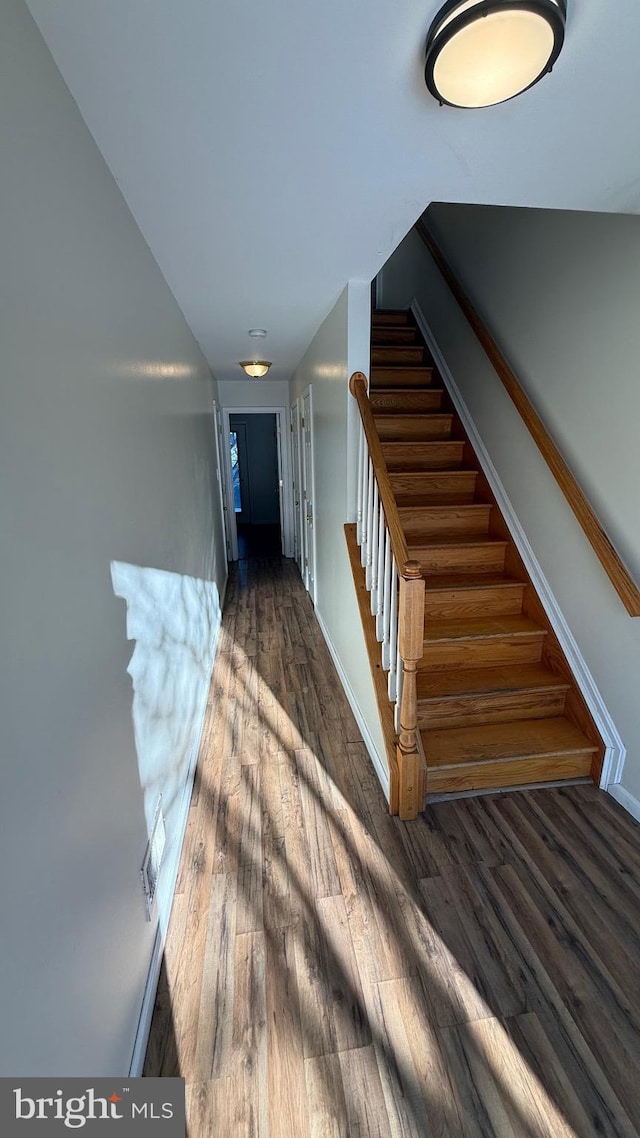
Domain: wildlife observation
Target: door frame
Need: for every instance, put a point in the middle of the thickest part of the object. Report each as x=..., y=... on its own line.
x=310, y=562
x=295, y=412
x=284, y=475
x=221, y=474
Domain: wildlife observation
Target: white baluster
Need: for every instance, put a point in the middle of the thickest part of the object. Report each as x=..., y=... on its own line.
x=386, y=601
x=373, y=564
x=373, y=490
x=360, y=489
x=382, y=530
x=368, y=494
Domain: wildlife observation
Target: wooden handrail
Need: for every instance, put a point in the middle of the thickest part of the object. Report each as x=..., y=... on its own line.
x=358, y=388
x=603, y=547
x=410, y=768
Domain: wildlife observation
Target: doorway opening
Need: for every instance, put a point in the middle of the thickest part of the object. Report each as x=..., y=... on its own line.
x=256, y=484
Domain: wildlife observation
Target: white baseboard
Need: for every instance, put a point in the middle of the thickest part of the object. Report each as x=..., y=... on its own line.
x=627, y=800
x=171, y=877
x=379, y=765
x=615, y=750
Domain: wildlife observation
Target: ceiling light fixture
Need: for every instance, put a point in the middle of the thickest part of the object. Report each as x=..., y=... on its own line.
x=258, y=333
x=483, y=52
x=255, y=368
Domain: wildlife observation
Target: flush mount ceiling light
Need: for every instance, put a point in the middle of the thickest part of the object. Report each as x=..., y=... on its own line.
x=255, y=368
x=258, y=333
x=482, y=52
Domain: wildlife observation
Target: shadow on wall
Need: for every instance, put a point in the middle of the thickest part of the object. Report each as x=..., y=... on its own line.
x=174, y=621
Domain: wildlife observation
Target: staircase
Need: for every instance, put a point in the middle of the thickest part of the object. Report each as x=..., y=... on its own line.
x=497, y=704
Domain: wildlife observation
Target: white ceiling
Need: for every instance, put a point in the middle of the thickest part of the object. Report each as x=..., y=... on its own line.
x=271, y=150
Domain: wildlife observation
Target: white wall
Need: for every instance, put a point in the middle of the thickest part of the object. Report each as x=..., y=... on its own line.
x=559, y=293
x=254, y=393
x=107, y=490
x=325, y=367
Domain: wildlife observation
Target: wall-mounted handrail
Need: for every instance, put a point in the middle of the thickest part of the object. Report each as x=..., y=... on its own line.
x=603, y=547
x=397, y=591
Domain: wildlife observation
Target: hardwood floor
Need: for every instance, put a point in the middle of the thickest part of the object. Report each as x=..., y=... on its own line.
x=332, y=972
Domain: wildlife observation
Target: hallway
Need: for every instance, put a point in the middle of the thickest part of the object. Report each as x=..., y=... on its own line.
x=332, y=972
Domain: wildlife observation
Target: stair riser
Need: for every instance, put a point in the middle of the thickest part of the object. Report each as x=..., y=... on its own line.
x=415, y=457
x=393, y=335
x=414, y=427
x=431, y=489
x=398, y=354
x=434, y=521
x=407, y=402
x=466, y=559
x=503, y=707
x=459, y=603
x=380, y=319
x=509, y=772
x=441, y=656
x=401, y=377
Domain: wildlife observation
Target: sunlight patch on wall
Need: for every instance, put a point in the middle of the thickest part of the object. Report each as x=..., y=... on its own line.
x=174, y=620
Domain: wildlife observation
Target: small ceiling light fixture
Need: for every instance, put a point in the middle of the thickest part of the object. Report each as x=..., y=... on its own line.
x=483, y=52
x=255, y=368
x=258, y=333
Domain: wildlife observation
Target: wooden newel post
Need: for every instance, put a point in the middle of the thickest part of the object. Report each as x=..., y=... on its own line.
x=411, y=642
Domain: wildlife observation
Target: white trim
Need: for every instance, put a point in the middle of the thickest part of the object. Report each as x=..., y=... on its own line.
x=284, y=460
x=295, y=409
x=221, y=474
x=231, y=528
x=170, y=876
x=627, y=800
x=310, y=575
x=615, y=750
x=379, y=766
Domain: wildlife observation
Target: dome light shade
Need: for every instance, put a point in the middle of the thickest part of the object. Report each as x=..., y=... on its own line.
x=255, y=368
x=483, y=52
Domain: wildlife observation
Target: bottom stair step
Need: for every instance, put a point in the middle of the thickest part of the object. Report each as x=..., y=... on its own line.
x=464, y=697
x=505, y=754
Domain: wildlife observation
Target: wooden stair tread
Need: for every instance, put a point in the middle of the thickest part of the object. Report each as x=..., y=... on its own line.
x=484, y=681
x=399, y=390
x=481, y=628
x=414, y=417
x=435, y=541
x=447, y=581
x=500, y=742
x=435, y=510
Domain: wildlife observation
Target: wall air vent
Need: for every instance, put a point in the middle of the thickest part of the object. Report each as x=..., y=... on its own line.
x=153, y=859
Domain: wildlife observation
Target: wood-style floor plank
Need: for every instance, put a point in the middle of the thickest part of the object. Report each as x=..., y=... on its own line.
x=333, y=972
x=287, y=1098
x=495, y=1088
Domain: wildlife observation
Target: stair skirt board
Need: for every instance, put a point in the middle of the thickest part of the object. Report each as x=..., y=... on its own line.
x=485, y=792
x=614, y=749
x=499, y=705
